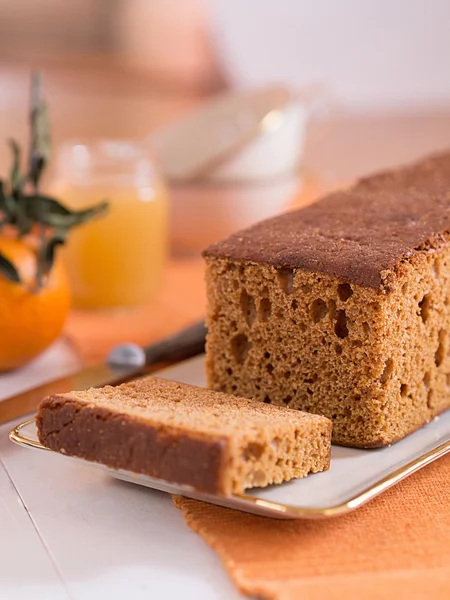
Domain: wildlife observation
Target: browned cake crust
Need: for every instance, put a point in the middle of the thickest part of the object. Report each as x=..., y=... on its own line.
x=121, y=442
x=186, y=435
x=342, y=308
x=355, y=234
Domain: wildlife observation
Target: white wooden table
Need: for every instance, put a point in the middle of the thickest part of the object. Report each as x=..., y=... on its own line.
x=71, y=532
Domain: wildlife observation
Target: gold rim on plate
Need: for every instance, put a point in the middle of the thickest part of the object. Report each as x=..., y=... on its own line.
x=276, y=509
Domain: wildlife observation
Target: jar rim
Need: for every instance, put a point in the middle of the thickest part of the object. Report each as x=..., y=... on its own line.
x=113, y=161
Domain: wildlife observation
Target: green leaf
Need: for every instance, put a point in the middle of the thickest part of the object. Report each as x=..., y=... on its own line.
x=8, y=270
x=7, y=205
x=23, y=224
x=52, y=213
x=50, y=251
x=39, y=207
x=40, y=133
x=83, y=216
x=16, y=178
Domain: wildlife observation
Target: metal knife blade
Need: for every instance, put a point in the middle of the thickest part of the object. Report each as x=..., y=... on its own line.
x=184, y=344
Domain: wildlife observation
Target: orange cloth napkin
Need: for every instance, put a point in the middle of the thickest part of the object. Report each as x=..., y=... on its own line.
x=397, y=546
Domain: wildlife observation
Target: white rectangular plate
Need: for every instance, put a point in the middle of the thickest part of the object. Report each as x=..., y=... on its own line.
x=355, y=476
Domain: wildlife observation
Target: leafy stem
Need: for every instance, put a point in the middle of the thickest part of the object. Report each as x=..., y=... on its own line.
x=41, y=256
x=40, y=133
x=23, y=207
x=16, y=178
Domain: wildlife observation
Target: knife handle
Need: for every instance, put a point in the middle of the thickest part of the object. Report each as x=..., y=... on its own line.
x=185, y=344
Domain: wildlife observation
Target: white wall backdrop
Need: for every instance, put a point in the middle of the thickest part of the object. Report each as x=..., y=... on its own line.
x=372, y=54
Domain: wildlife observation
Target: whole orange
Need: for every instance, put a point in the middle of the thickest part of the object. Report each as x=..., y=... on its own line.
x=29, y=320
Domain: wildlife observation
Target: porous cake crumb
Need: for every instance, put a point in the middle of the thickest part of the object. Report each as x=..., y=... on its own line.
x=185, y=434
x=342, y=308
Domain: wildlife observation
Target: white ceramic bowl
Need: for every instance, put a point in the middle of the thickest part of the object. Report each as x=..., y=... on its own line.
x=276, y=151
x=240, y=135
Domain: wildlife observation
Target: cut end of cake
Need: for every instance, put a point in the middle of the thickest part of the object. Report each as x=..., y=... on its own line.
x=343, y=308
x=210, y=441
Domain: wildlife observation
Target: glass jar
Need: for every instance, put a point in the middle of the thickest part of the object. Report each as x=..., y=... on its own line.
x=117, y=259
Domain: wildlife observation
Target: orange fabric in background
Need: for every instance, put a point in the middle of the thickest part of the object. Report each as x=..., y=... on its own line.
x=180, y=301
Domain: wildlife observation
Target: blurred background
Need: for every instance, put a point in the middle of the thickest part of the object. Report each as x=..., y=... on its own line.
x=109, y=61
x=231, y=110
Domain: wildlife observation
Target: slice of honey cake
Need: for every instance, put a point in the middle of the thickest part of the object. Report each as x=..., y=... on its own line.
x=185, y=434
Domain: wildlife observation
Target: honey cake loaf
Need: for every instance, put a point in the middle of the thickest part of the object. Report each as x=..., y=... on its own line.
x=341, y=308
x=185, y=434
